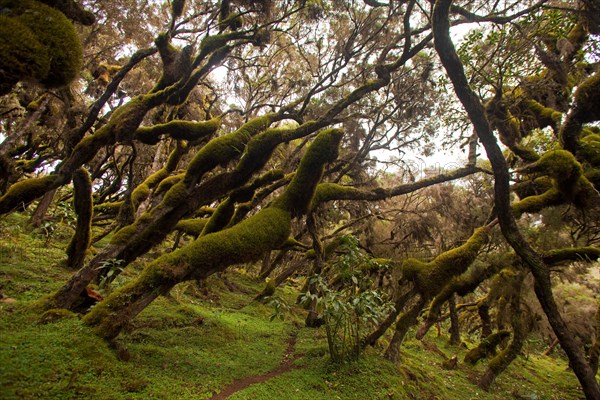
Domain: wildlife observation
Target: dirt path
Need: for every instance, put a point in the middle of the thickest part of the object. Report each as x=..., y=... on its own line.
x=287, y=364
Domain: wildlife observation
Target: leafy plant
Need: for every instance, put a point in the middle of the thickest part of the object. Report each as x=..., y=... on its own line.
x=350, y=311
x=112, y=267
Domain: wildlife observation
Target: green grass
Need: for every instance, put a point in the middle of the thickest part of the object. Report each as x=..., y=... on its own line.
x=197, y=341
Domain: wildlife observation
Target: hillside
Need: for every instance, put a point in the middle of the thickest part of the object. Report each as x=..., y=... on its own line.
x=199, y=342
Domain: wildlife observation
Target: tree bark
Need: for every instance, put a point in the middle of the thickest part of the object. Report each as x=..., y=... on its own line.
x=454, y=324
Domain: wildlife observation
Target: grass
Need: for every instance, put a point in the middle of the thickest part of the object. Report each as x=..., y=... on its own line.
x=198, y=340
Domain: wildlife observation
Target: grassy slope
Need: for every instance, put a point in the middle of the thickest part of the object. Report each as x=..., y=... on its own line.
x=193, y=344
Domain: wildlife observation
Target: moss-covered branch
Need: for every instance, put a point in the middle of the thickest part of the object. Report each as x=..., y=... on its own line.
x=431, y=277
x=178, y=129
x=569, y=185
x=333, y=191
x=586, y=109
x=247, y=241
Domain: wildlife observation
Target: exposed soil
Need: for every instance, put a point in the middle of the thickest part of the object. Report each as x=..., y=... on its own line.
x=287, y=364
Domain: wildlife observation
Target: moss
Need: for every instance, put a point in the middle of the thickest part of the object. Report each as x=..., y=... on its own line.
x=568, y=183
x=192, y=227
x=28, y=59
x=544, y=116
x=222, y=149
x=571, y=254
x=214, y=42
x=168, y=183
x=244, y=242
x=587, y=99
x=487, y=347
x=108, y=208
x=140, y=193
x=220, y=217
x=56, y=314
x=56, y=33
x=431, y=277
x=24, y=192
x=175, y=195
x=589, y=150
x=537, y=203
x=300, y=192
x=180, y=130
x=532, y=187
x=332, y=191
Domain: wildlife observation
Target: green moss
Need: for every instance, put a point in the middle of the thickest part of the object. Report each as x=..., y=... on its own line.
x=487, y=347
x=55, y=315
x=192, y=227
x=589, y=149
x=214, y=42
x=175, y=195
x=178, y=129
x=244, y=242
x=26, y=191
x=571, y=254
x=58, y=36
x=168, y=183
x=300, y=192
x=587, y=99
x=332, y=191
x=568, y=183
x=108, y=208
x=220, y=217
x=224, y=148
x=28, y=59
x=55, y=56
x=431, y=277
x=139, y=194
x=544, y=116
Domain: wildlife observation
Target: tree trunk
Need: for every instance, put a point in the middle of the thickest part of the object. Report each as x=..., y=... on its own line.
x=454, y=324
x=404, y=323
x=40, y=212
x=499, y=363
x=312, y=319
x=83, y=204
x=390, y=319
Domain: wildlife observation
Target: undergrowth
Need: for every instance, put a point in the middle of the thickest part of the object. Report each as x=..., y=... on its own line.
x=204, y=336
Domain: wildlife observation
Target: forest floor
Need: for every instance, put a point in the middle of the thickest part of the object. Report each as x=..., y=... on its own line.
x=216, y=342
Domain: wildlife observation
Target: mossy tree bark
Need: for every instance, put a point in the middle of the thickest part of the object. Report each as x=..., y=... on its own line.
x=475, y=110
x=247, y=241
x=82, y=199
x=519, y=331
